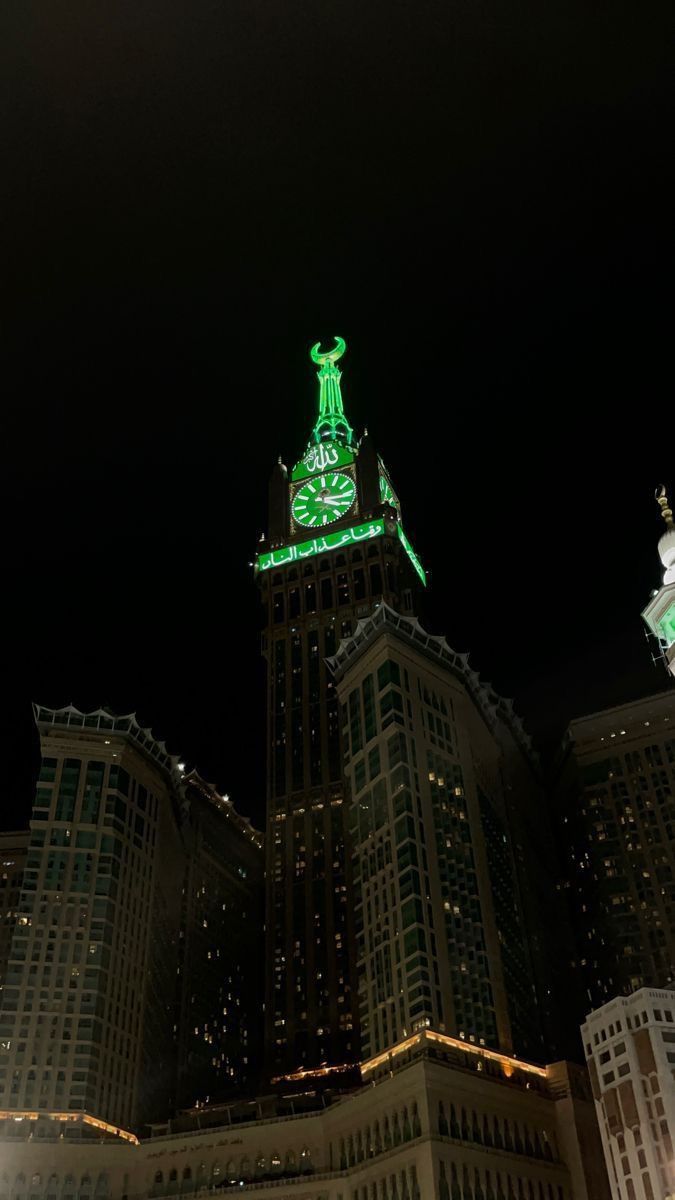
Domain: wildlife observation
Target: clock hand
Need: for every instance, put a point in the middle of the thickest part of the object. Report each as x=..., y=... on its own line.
x=327, y=500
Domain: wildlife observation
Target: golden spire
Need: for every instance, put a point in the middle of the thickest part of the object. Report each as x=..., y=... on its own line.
x=666, y=510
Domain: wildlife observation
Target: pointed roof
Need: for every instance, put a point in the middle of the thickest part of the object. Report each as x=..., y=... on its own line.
x=331, y=423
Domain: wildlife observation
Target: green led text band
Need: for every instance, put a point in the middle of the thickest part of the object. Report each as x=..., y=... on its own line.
x=333, y=541
x=412, y=556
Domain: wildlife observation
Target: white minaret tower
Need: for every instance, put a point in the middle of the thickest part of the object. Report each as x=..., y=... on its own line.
x=660, y=612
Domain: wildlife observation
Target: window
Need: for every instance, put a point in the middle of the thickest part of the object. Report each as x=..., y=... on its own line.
x=388, y=672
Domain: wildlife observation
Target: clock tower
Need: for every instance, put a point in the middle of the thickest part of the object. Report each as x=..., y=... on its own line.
x=335, y=549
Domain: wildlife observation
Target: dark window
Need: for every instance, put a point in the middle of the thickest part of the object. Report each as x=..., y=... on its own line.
x=388, y=672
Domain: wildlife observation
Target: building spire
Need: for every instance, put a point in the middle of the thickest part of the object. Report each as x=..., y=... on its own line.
x=331, y=423
x=666, y=510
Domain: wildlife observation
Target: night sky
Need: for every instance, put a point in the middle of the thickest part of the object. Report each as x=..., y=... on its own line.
x=477, y=196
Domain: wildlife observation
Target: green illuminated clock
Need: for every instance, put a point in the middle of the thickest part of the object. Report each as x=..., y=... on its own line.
x=324, y=499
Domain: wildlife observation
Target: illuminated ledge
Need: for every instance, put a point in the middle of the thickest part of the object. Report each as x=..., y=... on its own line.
x=315, y=1073
x=506, y=1061
x=15, y=1114
x=333, y=541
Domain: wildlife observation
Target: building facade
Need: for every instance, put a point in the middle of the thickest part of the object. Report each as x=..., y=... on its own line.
x=434, y=1119
x=617, y=796
x=431, y=758
x=221, y=949
x=92, y=1009
x=630, y=1051
x=335, y=547
x=13, y=850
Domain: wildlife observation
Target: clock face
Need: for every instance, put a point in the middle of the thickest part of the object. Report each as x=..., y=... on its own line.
x=324, y=499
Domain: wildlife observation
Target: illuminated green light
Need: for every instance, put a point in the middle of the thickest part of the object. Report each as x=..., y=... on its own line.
x=412, y=556
x=387, y=493
x=333, y=541
x=331, y=423
x=319, y=545
x=324, y=499
x=667, y=625
x=321, y=457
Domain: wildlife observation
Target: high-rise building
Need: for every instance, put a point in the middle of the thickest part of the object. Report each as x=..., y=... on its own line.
x=13, y=850
x=660, y=612
x=434, y=762
x=630, y=1053
x=617, y=795
x=87, y=1012
x=90, y=1014
x=221, y=955
x=335, y=547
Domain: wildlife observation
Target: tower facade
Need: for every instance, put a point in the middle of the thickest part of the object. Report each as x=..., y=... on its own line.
x=132, y=979
x=431, y=760
x=221, y=956
x=617, y=797
x=13, y=849
x=659, y=614
x=335, y=549
x=87, y=1010
x=630, y=1054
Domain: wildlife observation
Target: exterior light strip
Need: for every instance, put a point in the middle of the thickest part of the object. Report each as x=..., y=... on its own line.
x=14, y=1114
x=333, y=541
x=509, y=1063
x=315, y=1073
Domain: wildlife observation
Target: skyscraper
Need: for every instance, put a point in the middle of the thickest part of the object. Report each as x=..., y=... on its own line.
x=87, y=1012
x=617, y=795
x=221, y=950
x=13, y=849
x=335, y=547
x=432, y=758
x=128, y=948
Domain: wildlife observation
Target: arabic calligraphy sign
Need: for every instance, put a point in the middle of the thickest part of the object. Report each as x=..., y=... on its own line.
x=332, y=541
x=321, y=457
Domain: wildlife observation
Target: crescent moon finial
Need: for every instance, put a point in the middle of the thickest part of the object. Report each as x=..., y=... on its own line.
x=321, y=357
x=662, y=501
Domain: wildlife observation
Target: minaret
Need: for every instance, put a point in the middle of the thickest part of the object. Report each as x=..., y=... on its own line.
x=660, y=612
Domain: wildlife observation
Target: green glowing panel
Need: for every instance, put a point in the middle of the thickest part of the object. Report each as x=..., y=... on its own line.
x=320, y=545
x=667, y=625
x=323, y=499
x=387, y=493
x=412, y=556
x=322, y=457
x=334, y=541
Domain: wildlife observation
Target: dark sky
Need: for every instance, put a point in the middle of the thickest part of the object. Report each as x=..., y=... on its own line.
x=477, y=196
